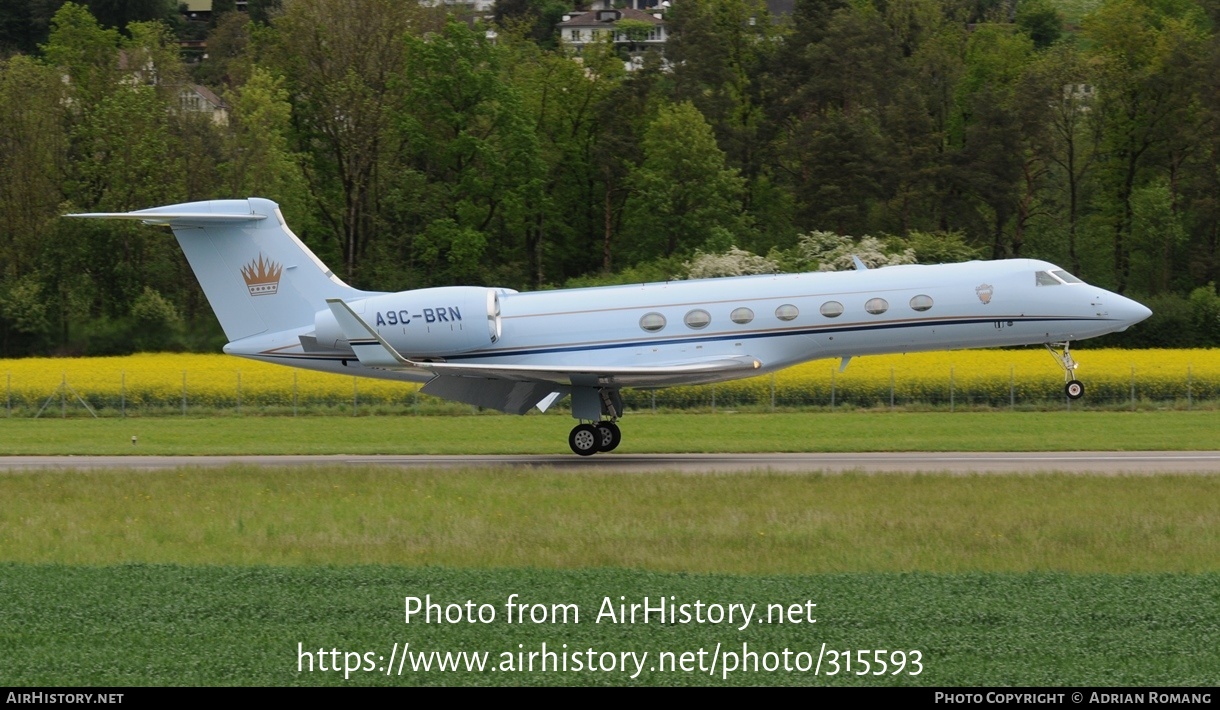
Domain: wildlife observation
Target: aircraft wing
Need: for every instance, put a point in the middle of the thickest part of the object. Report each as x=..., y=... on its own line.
x=594, y=375
x=373, y=351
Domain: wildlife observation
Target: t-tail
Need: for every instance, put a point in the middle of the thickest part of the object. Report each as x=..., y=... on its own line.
x=258, y=276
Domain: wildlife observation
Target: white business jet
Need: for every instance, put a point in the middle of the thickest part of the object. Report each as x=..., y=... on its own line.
x=497, y=348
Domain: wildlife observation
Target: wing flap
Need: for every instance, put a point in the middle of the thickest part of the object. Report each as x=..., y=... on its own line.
x=504, y=395
x=598, y=375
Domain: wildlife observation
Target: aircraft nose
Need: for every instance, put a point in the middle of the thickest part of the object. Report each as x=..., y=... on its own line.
x=1128, y=311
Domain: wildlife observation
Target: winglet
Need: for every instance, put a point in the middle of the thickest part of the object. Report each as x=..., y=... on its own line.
x=860, y=265
x=370, y=348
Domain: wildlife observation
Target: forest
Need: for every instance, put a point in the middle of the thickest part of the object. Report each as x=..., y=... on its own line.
x=409, y=146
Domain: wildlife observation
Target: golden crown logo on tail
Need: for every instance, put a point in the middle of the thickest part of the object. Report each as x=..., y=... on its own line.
x=262, y=276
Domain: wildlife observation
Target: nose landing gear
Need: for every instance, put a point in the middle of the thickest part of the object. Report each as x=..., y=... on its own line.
x=1062, y=353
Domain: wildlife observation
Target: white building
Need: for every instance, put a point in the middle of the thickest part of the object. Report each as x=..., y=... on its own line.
x=200, y=99
x=579, y=29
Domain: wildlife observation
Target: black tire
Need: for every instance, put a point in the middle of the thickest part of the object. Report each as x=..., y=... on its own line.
x=1074, y=389
x=609, y=436
x=585, y=439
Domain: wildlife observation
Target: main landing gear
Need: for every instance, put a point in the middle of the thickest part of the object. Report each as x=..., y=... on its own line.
x=1063, y=355
x=589, y=439
x=601, y=434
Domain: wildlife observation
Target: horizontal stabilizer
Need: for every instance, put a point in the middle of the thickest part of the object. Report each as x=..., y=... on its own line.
x=173, y=218
x=258, y=276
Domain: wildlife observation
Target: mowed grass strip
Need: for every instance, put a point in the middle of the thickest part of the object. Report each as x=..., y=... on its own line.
x=66, y=626
x=748, y=523
x=642, y=433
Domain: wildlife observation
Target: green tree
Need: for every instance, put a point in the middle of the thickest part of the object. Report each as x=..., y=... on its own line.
x=229, y=56
x=259, y=159
x=1201, y=182
x=120, y=13
x=993, y=116
x=155, y=323
x=833, y=152
x=623, y=118
x=33, y=154
x=88, y=54
x=537, y=19
x=1041, y=21
x=570, y=106
x=1205, y=315
x=342, y=61
x=1145, y=87
x=683, y=192
x=836, y=164
x=719, y=50
x=1061, y=78
x=1157, y=236
x=24, y=321
x=262, y=11
x=474, y=173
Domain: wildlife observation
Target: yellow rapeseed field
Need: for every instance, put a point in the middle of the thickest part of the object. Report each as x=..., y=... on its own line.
x=208, y=381
x=994, y=377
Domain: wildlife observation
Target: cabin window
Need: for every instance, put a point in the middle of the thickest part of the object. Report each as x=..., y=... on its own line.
x=787, y=312
x=921, y=303
x=1066, y=278
x=697, y=319
x=1045, y=279
x=877, y=306
x=741, y=316
x=652, y=322
x=832, y=309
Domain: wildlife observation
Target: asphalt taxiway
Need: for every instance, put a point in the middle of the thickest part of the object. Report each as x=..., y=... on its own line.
x=1079, y=462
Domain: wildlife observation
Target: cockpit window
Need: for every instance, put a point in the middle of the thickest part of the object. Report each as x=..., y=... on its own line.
x=1066, y=277
x=1045, y=279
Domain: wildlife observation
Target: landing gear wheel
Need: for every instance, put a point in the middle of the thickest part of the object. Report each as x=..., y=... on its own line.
x=585, y=439
x=609, y=436
x=1074, y=389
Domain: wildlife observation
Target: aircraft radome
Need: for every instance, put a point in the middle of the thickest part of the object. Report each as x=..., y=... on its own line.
x=497, y=348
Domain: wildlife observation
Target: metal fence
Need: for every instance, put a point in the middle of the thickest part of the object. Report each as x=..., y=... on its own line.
x=949, y=390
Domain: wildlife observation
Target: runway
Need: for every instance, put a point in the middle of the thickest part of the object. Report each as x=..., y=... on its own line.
x=1077, y=462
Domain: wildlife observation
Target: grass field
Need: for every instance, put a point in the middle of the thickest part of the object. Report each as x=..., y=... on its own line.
x=730, y=523
x=196, y=577
x=175, y=625
x=213, y=577
x=643, y=432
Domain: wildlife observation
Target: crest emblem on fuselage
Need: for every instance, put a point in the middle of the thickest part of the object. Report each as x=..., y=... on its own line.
x=984, y=292
x=262, y=276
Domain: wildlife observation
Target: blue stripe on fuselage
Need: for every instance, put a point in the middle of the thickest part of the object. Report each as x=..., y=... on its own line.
x=812, y=330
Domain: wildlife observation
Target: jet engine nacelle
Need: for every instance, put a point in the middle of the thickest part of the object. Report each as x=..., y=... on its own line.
x=426, y=322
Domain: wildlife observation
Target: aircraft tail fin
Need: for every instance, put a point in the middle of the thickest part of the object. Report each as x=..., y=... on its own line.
x=256, y=273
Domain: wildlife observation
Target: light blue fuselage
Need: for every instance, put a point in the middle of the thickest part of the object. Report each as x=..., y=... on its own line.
x=967, y=305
